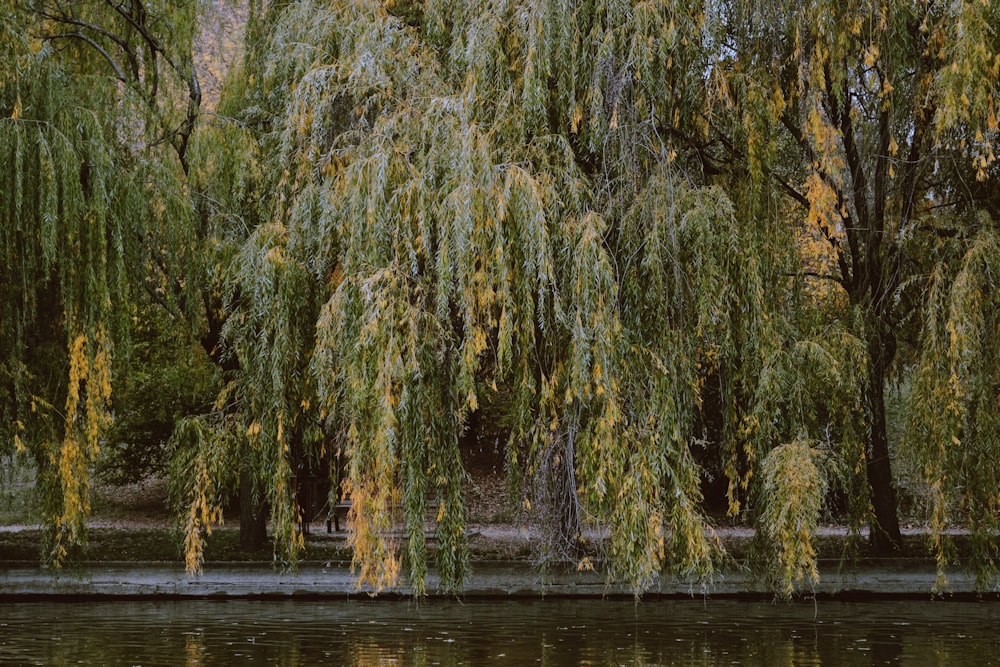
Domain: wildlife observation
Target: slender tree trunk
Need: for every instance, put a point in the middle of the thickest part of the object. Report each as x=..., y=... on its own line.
x=570, y=524
x=253, y=524
x=885, y=536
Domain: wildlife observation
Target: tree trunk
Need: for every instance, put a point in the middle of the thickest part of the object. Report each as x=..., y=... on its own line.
x=885, y=536
x=253, y=524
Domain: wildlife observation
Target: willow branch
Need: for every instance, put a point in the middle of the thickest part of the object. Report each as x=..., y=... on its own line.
x=819, y=276
x=69, y=20
x=119, y=73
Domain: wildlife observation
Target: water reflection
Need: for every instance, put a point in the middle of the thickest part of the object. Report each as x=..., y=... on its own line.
x=549, y=633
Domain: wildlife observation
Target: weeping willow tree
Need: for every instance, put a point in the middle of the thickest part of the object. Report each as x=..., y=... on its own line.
x=880, y=120
x=95, y=112
x=952, y=431
x=483, y=199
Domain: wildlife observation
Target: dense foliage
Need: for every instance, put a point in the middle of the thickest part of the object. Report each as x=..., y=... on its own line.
x=661, y=240
x=94, y=143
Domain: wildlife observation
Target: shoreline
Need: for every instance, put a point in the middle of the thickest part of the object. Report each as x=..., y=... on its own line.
x=870, y=579
x=144, y=563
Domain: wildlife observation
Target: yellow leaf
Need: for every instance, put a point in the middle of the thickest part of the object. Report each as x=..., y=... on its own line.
x=871, y=55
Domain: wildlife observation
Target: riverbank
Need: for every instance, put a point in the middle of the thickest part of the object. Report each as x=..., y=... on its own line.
x=144, y=562
x=870, y=579
x=133, y=551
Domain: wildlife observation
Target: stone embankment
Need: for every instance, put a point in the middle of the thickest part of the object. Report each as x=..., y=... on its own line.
x=502, y=567
x=500, y=579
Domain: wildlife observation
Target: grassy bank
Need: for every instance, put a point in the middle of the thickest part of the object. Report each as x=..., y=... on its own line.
x=159, y=544
x=163, y=544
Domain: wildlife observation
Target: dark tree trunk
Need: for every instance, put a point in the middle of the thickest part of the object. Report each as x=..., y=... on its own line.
x=253, y=513
x=253, y=524
x=885, y=536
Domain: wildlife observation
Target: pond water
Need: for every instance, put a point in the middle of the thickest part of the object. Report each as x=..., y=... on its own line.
x=537, y=632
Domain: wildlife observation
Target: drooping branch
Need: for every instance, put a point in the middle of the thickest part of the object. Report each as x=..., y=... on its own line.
x=119, y=73
x=70, y=20
x=815, y=274
x=183, y=65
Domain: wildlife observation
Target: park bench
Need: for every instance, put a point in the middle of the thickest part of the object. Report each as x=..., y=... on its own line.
x=343, y=505
x=314, y=498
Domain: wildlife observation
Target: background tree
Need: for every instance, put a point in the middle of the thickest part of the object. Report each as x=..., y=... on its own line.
x=167, y=376
x=879, y=119
x=227, y=180
x=566, y=117
x=85, y=99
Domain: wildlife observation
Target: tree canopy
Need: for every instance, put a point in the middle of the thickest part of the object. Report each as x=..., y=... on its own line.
x=661, y=240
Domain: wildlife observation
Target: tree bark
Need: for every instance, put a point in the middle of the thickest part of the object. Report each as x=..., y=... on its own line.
x=885, y=537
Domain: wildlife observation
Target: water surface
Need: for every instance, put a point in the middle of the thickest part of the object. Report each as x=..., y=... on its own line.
x=534, y=632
